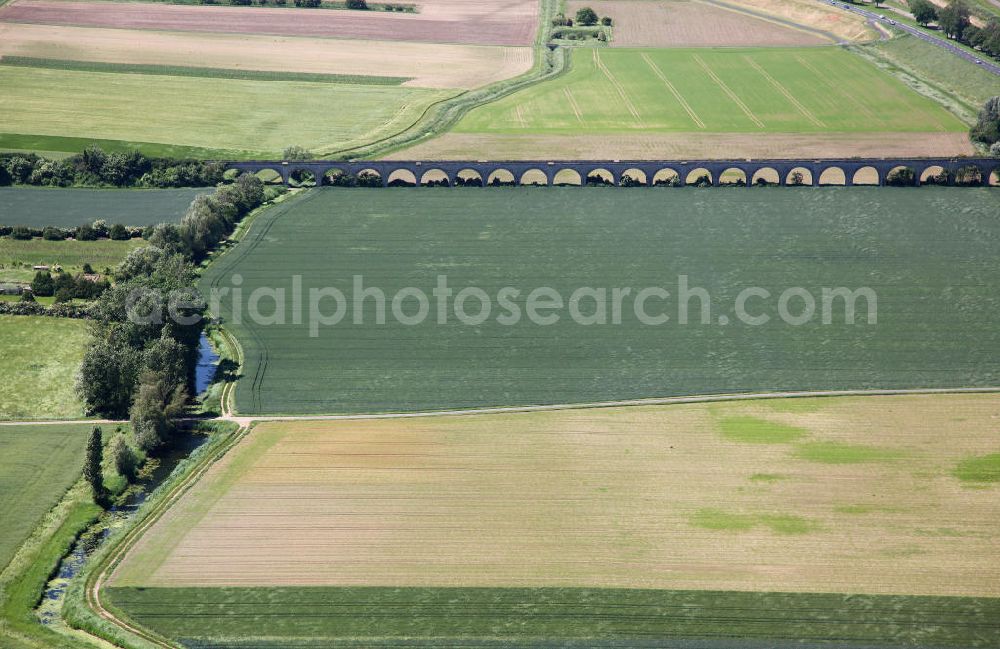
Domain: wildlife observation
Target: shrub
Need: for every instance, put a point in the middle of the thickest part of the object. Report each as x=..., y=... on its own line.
x=53, y=234
x=21, y=232
x=357, y=4
x=369, y=179
x=902, y=177
x=968, y=176
x=64, y=294
x=119, y=232
x=123, y=457
x=297, y=153
x=85, y=232
x=606, y=21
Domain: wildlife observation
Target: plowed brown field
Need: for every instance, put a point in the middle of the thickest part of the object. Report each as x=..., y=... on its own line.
x=430, y=65
x=688, y=23
x=832, y=495
x=481, y=22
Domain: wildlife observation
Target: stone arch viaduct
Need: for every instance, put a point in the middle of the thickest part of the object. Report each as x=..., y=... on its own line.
x=783, y=172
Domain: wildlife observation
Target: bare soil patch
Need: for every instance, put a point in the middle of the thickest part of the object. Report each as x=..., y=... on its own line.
x=841, y=23
x=510, y=22
x=430, y=65
x=688, y=23
x=651, y=497
x=678, y=146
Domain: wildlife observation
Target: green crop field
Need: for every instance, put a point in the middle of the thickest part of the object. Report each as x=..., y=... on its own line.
x=273, y=618
x=220, y=114
x=787, y=90
x=928, y=254
x=38, y=365
x=68, y=208
x=37, y=465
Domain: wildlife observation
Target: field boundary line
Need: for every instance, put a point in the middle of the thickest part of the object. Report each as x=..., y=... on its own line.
x=818, y=75
x=573, y=104
x=783, y=90
x=617, y=86
x=676, y=93
x=729, y=91
x=653, y=401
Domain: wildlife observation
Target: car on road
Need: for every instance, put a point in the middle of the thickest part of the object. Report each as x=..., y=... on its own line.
x=979, y=61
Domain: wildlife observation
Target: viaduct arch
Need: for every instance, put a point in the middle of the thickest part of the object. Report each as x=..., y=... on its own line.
x=813, y=172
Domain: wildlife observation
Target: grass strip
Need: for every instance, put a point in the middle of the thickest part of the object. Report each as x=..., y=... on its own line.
x=185, y=71
x=22, y=582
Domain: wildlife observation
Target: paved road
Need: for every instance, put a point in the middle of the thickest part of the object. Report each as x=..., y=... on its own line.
x=924, y=36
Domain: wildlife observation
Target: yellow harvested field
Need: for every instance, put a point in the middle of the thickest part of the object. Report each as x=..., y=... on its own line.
x=679, y=146
x=690, y=23
x=843, y=24
x=430, y=65
x=848, y=495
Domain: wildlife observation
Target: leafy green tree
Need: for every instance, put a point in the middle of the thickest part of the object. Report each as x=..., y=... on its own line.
x=954, y=18
x=586, y=17
x=606, y=21
x=157, y=404
x=923, y=11
x=92, y=472
x=108, y=374
x=43, y=285
x=987, y=128
x=357, y=4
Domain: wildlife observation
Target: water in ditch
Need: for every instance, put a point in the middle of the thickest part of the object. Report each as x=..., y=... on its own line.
x=155, y=471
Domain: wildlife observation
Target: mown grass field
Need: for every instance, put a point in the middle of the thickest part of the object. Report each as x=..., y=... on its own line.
x=17, y=257
x=218, y=114
x=37, y=465
x=39, y=362
x=752, y=90
x=928, y=254
x=68, y=208
x=955, y=79
x=613, y=524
